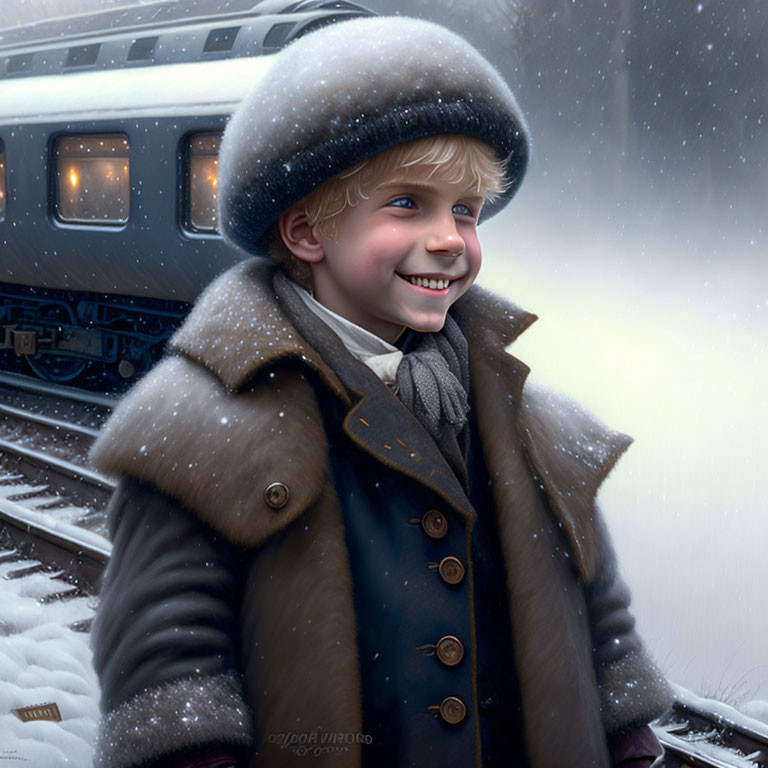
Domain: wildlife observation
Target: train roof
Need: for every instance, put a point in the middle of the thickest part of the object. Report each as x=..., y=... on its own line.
x=162, y=32
x=188, y=88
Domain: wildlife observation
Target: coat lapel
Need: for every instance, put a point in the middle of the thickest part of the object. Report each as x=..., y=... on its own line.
x=548, y=616
x=569, y=451
x=546, y=606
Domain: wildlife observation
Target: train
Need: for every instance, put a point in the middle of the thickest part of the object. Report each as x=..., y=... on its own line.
x=110, y=124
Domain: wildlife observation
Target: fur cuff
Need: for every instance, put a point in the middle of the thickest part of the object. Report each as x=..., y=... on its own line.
x=171, y=718
x=633, y=692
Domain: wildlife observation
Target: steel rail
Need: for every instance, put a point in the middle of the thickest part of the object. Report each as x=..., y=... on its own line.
x=690, y=755
x=27, y=384
x=65, y=468
x=706, y=733
x=733, y=728
x=80, y=554
x=47, y=421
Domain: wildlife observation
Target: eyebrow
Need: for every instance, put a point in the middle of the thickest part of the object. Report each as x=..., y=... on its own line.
x=408, y=184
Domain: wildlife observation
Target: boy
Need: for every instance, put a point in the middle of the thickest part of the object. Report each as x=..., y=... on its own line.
x=344, y=533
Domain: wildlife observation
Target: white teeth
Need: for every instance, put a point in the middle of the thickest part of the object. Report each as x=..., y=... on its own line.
x=425, y=283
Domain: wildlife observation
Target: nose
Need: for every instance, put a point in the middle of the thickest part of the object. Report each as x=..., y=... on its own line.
x=444, y=238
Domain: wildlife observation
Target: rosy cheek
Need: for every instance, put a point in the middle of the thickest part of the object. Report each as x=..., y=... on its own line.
x=474, y=260
x=384, y=238
x=370, y=274
x=384, y=251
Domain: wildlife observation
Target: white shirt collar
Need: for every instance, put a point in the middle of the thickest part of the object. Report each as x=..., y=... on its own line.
x=380, y=356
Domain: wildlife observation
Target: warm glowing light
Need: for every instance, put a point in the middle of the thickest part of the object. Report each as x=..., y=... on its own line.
x=125, y=168
x=73, y=177
x=214, y=181
x=110, y=175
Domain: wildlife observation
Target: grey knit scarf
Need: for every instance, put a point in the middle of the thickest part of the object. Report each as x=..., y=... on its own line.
x=433, y=380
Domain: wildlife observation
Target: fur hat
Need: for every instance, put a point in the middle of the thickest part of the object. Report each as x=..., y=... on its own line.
x=345, y=92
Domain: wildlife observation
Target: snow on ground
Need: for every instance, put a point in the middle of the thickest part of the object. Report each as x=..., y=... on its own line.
x=43, y=661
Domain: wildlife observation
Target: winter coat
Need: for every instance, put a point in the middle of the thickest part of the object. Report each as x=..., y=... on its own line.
x=228, y=613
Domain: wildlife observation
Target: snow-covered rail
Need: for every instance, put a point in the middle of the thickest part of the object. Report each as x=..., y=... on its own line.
x=69, y=440
x=79, y=556
x=43, y=483
x=62, y=420
x=46, y=431
x=51, y=504
x=704, y=733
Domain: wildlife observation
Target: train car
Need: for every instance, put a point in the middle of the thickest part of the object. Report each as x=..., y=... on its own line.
x=109, y=131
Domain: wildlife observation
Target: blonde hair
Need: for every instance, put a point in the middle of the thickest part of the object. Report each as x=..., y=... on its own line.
x=451, y=157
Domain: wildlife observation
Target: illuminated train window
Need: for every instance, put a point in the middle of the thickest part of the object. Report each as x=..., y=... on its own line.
x=202, y=173
x=2, y=181
x=92, y=179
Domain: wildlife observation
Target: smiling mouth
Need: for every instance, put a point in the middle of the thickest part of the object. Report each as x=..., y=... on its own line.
x=428, y=282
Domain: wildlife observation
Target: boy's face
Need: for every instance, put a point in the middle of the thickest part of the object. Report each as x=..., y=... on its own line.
x=410, y=227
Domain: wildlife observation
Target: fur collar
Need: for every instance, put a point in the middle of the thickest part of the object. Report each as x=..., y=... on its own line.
x=180, y=429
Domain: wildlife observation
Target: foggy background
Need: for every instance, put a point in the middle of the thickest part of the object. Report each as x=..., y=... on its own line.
x=639, y=239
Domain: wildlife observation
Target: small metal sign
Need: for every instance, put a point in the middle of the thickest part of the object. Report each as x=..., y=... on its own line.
x=48, y=711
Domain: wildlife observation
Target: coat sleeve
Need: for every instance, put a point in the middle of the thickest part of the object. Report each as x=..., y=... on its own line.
x=164, y=640
x=633, y=691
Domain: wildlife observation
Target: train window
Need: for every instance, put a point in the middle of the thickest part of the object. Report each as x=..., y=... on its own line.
x=2, y=181
x=221, y=39
x=202, y=174
x=143, y=48
x=92, y=179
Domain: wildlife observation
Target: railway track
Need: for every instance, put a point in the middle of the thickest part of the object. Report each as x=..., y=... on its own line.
x=45, y=433
x=52, y=505
x=52, y=533
x=704, y=733
x=66, y=551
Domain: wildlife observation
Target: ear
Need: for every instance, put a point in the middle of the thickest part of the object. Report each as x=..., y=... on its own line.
x=299, y=235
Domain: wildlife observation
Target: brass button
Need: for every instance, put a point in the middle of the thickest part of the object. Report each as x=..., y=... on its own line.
x=276, y=495
x=452, y=710
x=434, y=524
x=450, y=650
x=451, y=569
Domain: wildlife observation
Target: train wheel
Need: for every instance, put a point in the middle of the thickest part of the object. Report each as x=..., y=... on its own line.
x=55, y=367
x=47, y=365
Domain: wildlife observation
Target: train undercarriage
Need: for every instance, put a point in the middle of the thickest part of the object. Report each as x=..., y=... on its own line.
x=94, y=341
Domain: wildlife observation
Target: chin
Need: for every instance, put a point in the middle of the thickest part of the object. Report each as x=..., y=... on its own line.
x=428, y=326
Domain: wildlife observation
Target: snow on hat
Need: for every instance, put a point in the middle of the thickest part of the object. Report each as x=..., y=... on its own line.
x=345, y=92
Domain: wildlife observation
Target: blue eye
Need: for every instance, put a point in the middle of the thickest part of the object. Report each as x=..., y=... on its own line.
x=403, y=202
x=463, y=210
